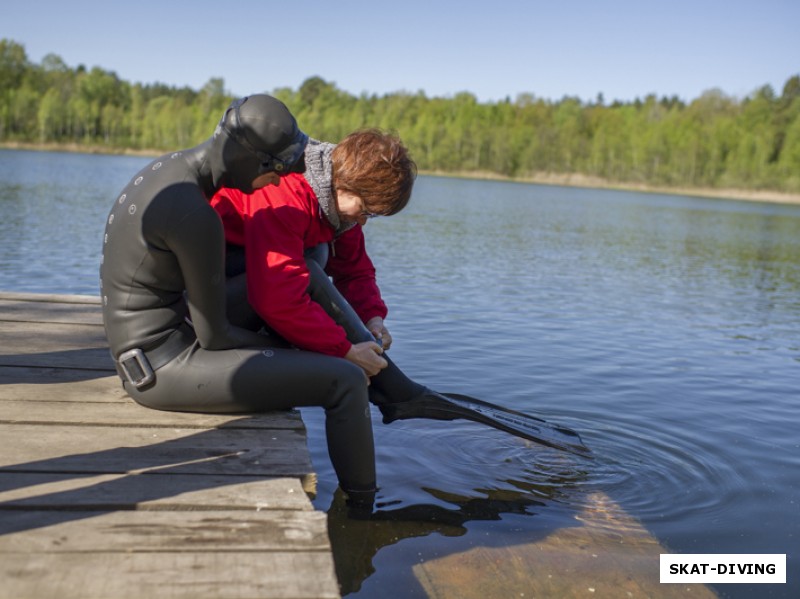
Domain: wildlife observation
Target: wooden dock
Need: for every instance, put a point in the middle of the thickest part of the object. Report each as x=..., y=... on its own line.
x=101, y=498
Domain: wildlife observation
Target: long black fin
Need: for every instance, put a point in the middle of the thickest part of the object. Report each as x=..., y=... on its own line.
x=452, y=406
x=400, y=398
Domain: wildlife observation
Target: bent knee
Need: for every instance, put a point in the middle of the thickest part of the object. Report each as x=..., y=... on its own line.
x=349, y=397
x=353, y=375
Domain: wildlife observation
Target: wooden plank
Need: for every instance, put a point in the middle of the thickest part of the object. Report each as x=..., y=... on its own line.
x=53, y=395
x=54, y=345
x=169, y=575
x=51, y=309
x=145, y=491
x=31, y=384
x=104, y=449
x=33, y=337
x=115, y=531
x=607, y=554
x=50, y=298
x=130, y=414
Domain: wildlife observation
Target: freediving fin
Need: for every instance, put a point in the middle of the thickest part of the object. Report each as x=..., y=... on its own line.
x=451, y=406
x=391, y=384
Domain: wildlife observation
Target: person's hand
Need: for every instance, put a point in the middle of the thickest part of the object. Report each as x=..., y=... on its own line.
x=367, y=355
x=379, y=331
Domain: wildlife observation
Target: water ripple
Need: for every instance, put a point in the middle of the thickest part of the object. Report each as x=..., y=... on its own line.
x=659, y=472
x=656, y=473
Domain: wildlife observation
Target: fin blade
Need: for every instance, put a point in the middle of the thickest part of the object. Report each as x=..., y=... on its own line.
x=522, y=425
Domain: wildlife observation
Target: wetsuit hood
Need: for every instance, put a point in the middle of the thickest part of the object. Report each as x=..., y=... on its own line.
x=256, y=135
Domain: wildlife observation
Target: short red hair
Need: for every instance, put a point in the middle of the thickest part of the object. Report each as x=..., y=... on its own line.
x=376, y=167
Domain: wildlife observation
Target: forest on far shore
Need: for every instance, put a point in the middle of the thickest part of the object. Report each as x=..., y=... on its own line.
x=714, y=141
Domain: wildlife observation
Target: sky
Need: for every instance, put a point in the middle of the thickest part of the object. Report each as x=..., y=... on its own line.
x=622, y=49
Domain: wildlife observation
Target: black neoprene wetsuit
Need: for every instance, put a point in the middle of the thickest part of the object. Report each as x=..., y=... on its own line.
x=163, y=265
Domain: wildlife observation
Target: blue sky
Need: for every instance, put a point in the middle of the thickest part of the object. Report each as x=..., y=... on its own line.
x=622, y=48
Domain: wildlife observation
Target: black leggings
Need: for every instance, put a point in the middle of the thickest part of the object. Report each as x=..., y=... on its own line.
x=264, y=379
x=278, y=377
x=390, y=385
x=274, y=377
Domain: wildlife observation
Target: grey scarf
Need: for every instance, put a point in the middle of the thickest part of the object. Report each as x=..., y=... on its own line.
x=319, y=171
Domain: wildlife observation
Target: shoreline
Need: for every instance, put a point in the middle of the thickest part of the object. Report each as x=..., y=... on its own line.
x=557, y=179
x=591, y=182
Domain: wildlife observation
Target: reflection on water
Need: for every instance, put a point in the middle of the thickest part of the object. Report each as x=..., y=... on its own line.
x=663, y=329
x=356, y=541
x=445, y=493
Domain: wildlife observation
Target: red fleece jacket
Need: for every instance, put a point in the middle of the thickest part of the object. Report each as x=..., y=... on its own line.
x=276, y=225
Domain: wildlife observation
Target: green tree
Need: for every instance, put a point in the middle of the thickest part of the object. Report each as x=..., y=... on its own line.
x=13, y=65
x=714, y=140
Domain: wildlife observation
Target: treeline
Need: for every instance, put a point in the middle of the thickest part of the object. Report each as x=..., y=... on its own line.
x=713, y=141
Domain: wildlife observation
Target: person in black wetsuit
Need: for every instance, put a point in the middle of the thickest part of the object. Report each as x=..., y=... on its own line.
x=164, y=294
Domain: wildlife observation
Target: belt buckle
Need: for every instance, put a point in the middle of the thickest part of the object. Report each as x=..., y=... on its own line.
x=136, y=368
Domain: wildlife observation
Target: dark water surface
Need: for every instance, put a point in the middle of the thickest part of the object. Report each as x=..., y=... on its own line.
x=664, y=329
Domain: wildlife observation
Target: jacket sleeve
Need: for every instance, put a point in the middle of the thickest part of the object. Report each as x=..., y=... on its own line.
x=354, y=274
x=277, y=278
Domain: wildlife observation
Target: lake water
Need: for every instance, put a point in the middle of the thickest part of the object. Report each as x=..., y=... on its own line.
x=664, y=329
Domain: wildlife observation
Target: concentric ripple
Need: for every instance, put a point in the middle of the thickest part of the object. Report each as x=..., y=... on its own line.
x=654, y=473
x=659, y=472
